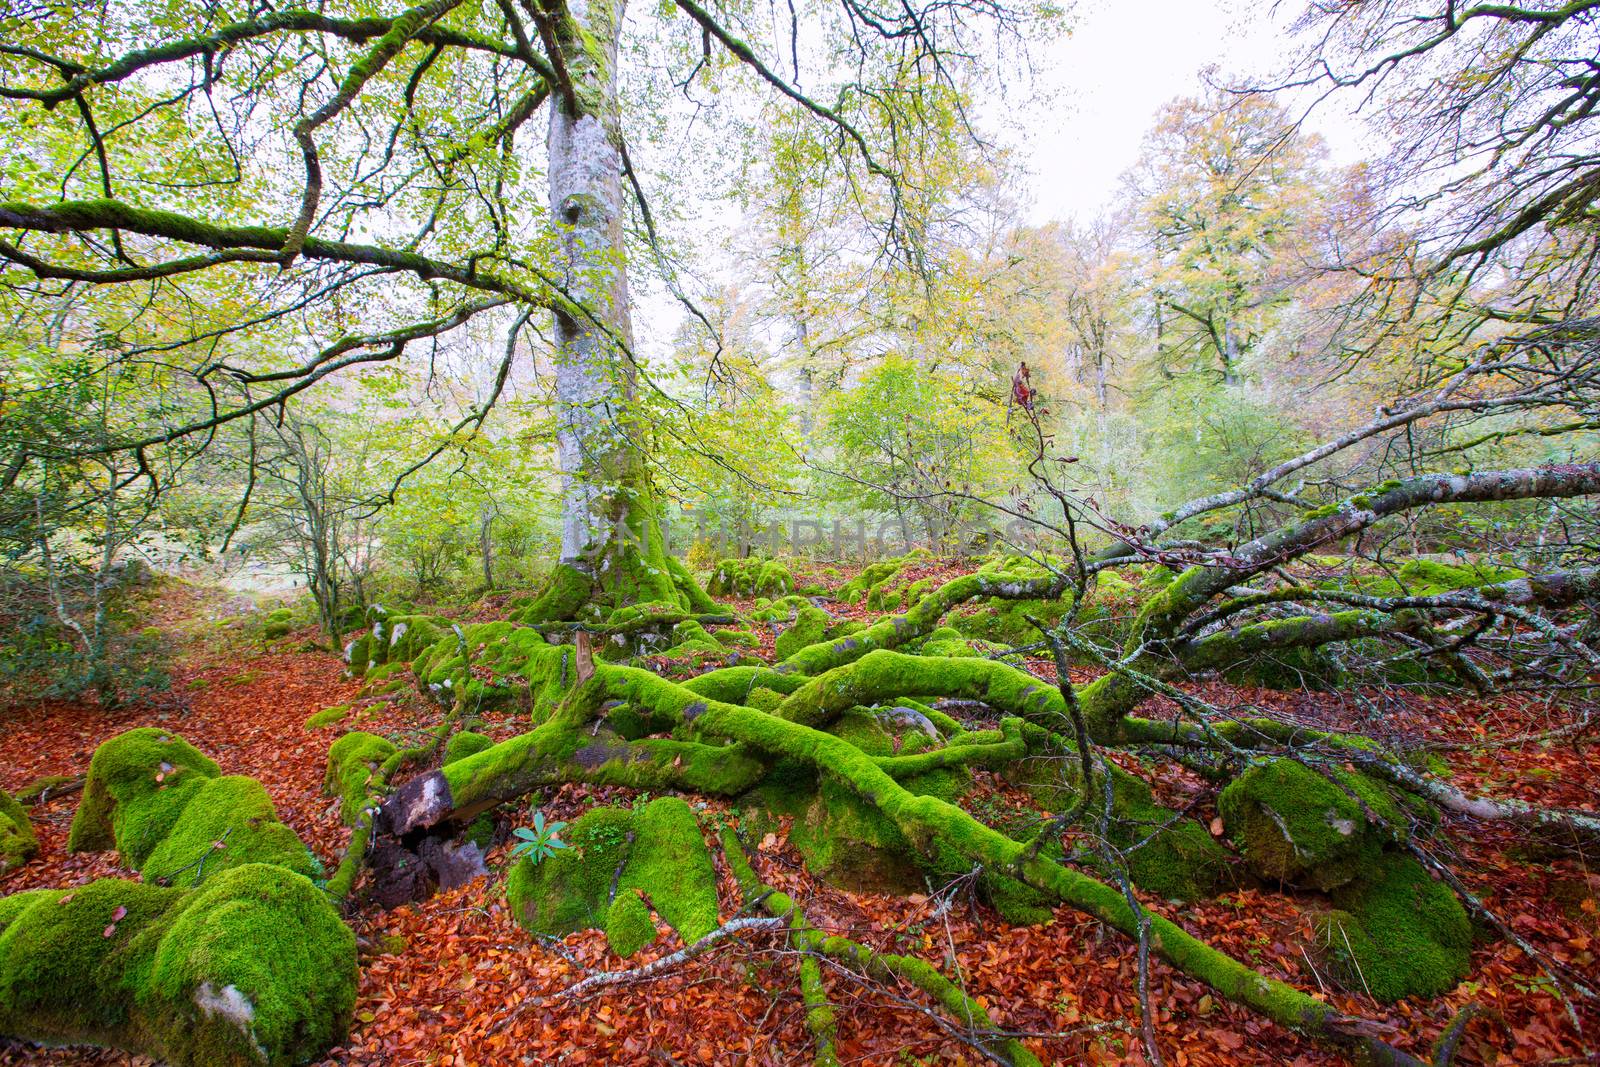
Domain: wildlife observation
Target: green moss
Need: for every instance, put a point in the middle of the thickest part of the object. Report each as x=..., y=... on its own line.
x=1426, y=577
x=763, y=698
x=276, y=624
x=49, y=784
x=569, y=891
x=732, y=637
x=774, y=580
x=1288, y=669
x=1297, y=826
x=277, y=942
x=670, y=863
x=629, y=926
x=564, y=593
x=18, y=844
x=1398, y=934
x=61, y=977
x=327, y=716
x=138, y=783
x=1173, y=858
x=1167, y=855
x=352, y=760
x=230, y=822
x=851, y=844
x=254, y=967
x=1018, y=904
x=753, y=576
x=661, y=855
x=946, y=641
x=172, y=819
x=465, y=743
x=809, y=627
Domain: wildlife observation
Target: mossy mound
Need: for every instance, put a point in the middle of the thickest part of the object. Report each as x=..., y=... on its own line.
x=18, y=844
x=1397, y=934
x=1299, y=827
x=810, y=626
x=752, y=576
x=691, y=637
x=277, y=624
x=1005, y=622
x=327, y=716
x=174, y=819
x=946, y=641
x=352, y=761
x=876, y=579
x=663, y=863
x=138, y=783
x=848, y=842
x=253, y=968
x=465, y=743
x=629, y=926
x=230, y=822
x=1289, y=669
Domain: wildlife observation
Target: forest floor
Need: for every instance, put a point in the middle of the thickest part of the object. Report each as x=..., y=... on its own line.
x=449, y=981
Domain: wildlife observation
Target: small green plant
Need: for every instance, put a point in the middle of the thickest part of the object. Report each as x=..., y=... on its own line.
x=540, y=842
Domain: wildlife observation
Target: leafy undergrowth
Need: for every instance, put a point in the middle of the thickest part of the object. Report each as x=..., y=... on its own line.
x=453, y=981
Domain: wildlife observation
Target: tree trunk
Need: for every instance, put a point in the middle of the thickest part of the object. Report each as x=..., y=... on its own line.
x=612, y=549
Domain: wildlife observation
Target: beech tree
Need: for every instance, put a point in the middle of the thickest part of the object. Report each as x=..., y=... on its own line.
x=156, y=144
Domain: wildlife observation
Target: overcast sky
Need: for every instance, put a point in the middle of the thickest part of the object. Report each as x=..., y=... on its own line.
x=1113, y=71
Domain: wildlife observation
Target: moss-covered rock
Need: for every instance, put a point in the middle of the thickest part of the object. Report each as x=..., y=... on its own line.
x=18, y=844
x=656, y=853
x=138, y=784
x=628, y=924
x=1298, y=826
x=752, y=576
x=810, y=626
x=173, y=819
x=276, y=624
x=464, y=743
x=352, y=761
x=230, y=822
x=569, y=891
x=327, y=716
x=1169, y=855
x=774, y=580
x=1398, y=933
x=1289, y=669
x=849, y=843
x=946, y=641
x=671, y=865
x=255, y=967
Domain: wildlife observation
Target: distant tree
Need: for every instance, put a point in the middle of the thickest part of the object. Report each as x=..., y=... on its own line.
x=1226, y=189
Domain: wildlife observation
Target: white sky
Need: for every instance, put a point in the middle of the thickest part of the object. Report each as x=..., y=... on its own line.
x=1110, y=75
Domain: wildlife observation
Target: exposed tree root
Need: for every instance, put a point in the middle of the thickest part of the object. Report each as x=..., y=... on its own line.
x=725, y=732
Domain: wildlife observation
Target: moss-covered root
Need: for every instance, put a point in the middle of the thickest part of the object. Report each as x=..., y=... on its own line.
x=18, y=844
x=820, y=1018
x=164, y=807
x=919, y=621
x=881, y=966
x=255, y=967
